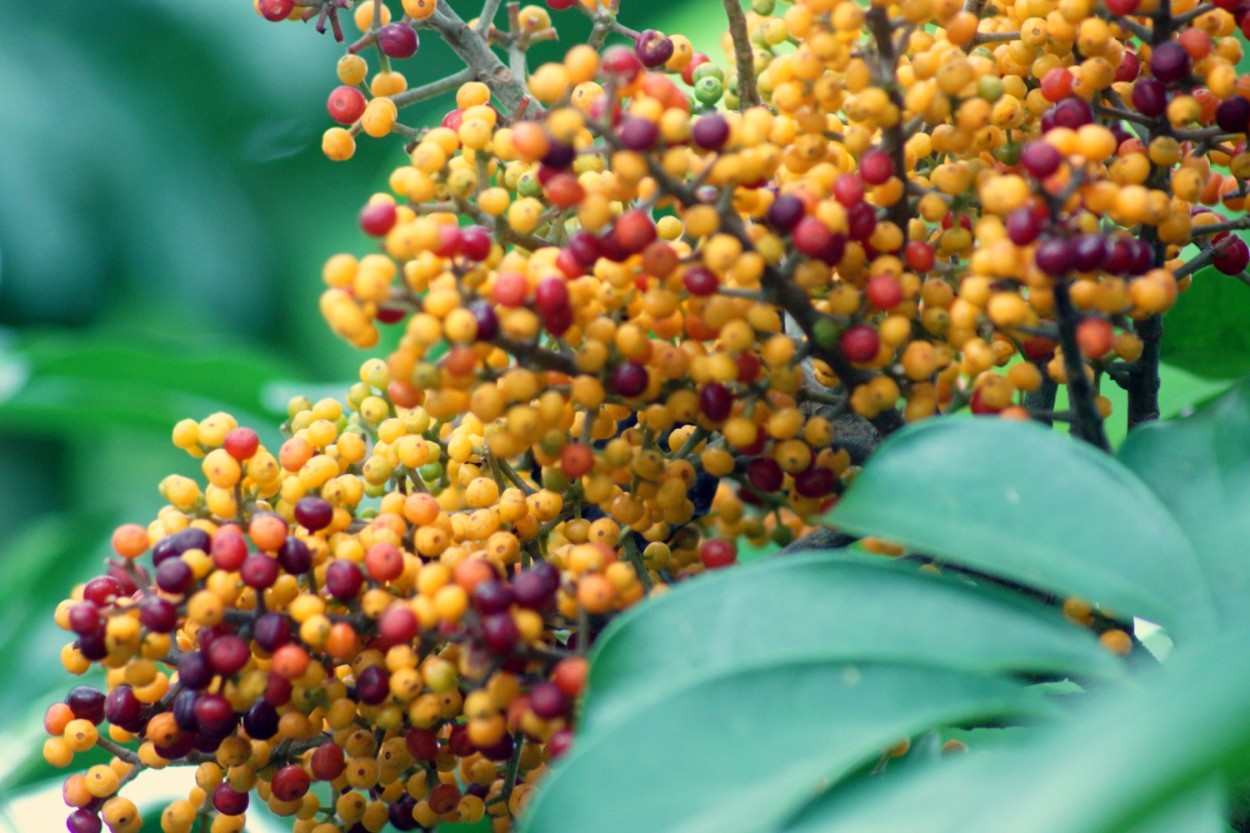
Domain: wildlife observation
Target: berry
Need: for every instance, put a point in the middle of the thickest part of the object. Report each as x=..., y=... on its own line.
x=1169, y=62
x=876, y=167
x=241, y=443
x=1041, y=159
x=860, y=343
x=273, y=11
x=346, y=105
x=313, y=513
x=228, y=801
x=378, y=218
x=653, y=48
x=629, y=379
x=717, y=553
x=398, y=40
x=711, y=132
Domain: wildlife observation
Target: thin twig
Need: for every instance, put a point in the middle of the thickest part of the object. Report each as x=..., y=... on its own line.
x=748, y=92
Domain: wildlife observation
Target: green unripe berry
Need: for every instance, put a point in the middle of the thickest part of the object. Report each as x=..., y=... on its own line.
x=825, y=333
x=297, y=404
x=529, y=186
x=763, y=7
x=431, y=472
x=990, y=88
x=709, y=90
x=708, y=70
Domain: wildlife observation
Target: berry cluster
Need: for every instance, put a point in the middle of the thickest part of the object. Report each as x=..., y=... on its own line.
x=649, y=306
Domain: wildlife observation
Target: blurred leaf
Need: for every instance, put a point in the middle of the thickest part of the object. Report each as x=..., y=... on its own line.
x=829, y=608
x=1199, y=468
x=1206, y=332
x=68, y=381
x=1024, y=503
x=1147, y=760
x=742, y=749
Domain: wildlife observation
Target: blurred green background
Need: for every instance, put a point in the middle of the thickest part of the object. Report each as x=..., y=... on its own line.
x=164, y=214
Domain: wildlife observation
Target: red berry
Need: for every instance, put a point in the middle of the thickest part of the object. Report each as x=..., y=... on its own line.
x=977, y=405
x=919, y=256
x=1057, y=84
x=883, y=292
x=275, y=10
x=876, y=167
x=346, y=104
x=377, y=218
x=576, y=459
x=848, y=189
x=228, y=801
x=717, y=553
x=621, y=63
x=290, y=783
x=328, y=761
x=241, y=443
x=699, y=280
x=860, y=343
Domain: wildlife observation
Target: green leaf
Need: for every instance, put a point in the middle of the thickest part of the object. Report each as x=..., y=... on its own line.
x=1024, y=503
x=742, y=750
x=1199, y=468
x=52, y=383
x=831, y=608
x=1136, y=761
x=1206, y=332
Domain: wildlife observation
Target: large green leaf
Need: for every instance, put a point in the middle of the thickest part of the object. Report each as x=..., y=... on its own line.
x=742, y=750
x=60, y=382
x=1024, y=503
x=833, y=608
x=1206, y=332
x=1199, y=468
x=1127, y=762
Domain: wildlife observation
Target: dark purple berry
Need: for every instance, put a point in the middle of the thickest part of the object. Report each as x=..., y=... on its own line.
x=1023, y=226
x=373, y=685
x=174, y=576
x=1150, y=97
x=486, y=320
x=653, y=48
x=1073, y=113
x=765, y=474
x=638, y=133
x=158, y=615
x=1169, y=62
x=1041, y=159
x=184, y=710
x=1054, y=256
x=343, y=579
x=817, y=481
x=294, y=556
x=1233, y=114
x=715, y=401
x=194, y=670
x=313, y=513
x=629, y=379
x=500, y=632
x=261, y=720
x=1089, y=252
x=492, y=596
x=700, y=281
x=83, y=821
x=785, y=212
x=711, y=132
x=532, y=590
x=398, y=40
x=122, y=707
x=272, y=631
x=228, y=801
x=86, y=703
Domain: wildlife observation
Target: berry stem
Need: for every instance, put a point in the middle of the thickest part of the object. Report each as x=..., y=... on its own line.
x=1041, y=402
x=1192, y=14
x=635, y=559
x=1143, y=380
x=443, y=85
x=120, y=752
x=1240, y=224
x=531, y=355
x=489, y=9
x=748, y=91
x=473, y=51
x=1088, y=424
